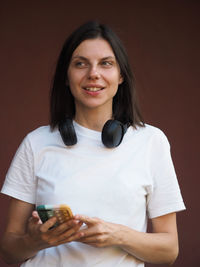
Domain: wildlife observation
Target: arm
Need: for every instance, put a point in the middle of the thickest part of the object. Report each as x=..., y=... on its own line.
x=161, y=246
x=25, y=235
x=14, y=243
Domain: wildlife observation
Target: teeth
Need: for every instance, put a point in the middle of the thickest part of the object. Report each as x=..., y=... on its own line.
x=93, y=89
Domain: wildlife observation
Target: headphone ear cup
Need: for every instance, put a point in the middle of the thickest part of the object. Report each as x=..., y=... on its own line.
x=112, y=133
x=67, y=132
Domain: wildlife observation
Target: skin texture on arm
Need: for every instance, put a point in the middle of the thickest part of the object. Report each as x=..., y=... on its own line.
x=158, y=247
x=25, y=235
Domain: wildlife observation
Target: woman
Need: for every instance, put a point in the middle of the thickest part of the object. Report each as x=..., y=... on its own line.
x=98, y=157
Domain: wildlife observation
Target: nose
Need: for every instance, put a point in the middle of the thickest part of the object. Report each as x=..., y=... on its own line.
x=93, y=73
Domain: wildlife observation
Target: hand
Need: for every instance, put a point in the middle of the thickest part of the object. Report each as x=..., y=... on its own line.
x=44, y=237
x=98, y=232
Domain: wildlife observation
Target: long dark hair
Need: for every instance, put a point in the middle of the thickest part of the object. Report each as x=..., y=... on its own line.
x=125, y=105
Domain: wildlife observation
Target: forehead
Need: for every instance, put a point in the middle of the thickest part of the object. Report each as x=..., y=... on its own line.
x=98, y=48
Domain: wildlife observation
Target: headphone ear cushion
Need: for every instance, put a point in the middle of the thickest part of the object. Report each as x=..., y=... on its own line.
x=67, y=132
x=112, y=133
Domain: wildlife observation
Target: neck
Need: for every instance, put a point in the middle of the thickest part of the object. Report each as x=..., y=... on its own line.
x=93, y=120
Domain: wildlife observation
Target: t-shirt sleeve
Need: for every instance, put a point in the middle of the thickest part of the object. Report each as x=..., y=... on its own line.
x=164, y=196
x=20, y=180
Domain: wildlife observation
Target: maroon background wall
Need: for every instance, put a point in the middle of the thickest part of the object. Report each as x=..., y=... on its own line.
x=162, y=39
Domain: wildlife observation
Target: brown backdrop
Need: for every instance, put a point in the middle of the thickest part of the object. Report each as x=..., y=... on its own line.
x=162, y=39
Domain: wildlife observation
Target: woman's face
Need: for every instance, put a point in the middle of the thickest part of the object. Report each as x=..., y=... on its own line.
x=94, y=75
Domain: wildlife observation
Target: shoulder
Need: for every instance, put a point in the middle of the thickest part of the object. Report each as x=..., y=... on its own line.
x=43, y=136
x=40, y=131
x=147, y=132
x=157, y=140
x=149, y=137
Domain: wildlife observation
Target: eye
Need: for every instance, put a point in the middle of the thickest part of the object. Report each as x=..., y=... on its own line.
x=107, y=63
x=80, y=64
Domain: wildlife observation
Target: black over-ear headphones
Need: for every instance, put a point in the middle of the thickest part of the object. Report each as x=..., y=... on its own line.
x=111, y=136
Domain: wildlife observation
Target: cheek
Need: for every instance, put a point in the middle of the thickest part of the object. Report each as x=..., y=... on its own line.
x=73, y=82
x=113, y=77
x=115, y=81
x=75, y=78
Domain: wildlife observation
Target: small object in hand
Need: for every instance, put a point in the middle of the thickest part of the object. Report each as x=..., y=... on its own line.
x=62, y=212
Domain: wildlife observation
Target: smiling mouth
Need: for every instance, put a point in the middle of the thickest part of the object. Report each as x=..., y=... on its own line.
x=93, y=89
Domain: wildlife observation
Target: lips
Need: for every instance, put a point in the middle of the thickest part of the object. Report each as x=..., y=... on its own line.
x=93, y=89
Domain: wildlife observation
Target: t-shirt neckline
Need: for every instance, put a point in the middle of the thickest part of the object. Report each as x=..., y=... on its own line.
x=81, y=130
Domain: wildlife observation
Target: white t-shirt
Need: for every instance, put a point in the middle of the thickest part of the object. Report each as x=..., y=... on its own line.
x=125, y=185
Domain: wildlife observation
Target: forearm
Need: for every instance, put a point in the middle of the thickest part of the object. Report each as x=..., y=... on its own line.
x=17, y=248
x=157, y=248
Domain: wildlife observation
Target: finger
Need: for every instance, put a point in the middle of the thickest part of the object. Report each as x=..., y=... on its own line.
x=34, y=219
x=89, y=239
x=96, y=241
x=91, y=231
x=68, y=236
x=65, y=226
x=86, y=219
x=70, y=232
x=48, y=224
x=36, y=216
x=74, y=237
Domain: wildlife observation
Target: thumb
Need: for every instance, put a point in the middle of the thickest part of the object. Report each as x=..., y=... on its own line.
x=35, y=219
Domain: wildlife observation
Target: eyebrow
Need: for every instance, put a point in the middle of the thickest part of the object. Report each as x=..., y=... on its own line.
x=84, y=58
